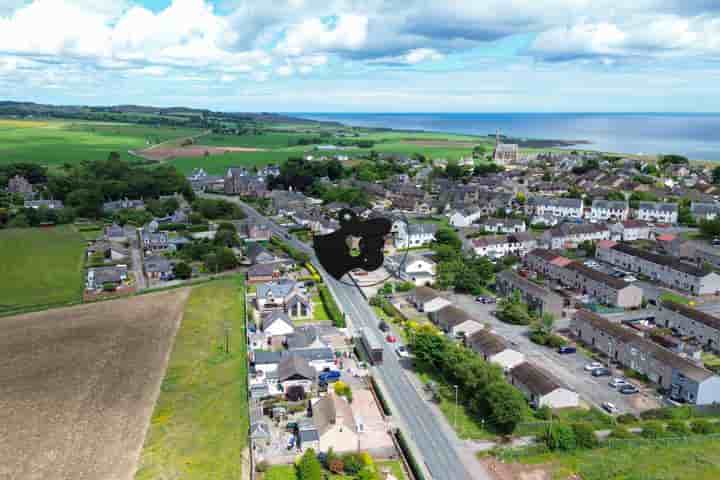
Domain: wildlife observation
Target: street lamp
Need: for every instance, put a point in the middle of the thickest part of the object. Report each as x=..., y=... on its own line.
x=456, y=406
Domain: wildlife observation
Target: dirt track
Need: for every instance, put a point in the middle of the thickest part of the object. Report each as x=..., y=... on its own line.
x=78, y=386
x=166, y=152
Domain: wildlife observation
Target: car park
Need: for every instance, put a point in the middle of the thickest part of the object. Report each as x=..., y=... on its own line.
x=592, y=366
x=629, y=389
x=609, y=407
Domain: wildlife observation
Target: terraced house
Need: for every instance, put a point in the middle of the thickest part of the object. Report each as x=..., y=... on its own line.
x=657, y=212
x=690, y=322
x=682, y=379
x=537, y=297
x=572, y=234
x=609, y=210
x=556, y=207
x=661, y=268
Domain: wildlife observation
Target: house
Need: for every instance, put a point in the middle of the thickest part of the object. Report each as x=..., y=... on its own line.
x=690, y=322
x=466, y=329
x=493, y=348
x=305, y=336
x=568, y=235
x=418, y=269
x=277, y=324
x=308, y=436
x=115, y=233
x=256, y=253
x=665, y=269
x=465, y=217
x=19, y=185
x=704, y=211
x=110, y=277
x=414, y=234
x=321, y=359
x=537, y=297
x=158, y=267
x=557, y=207
x=263, y=272
x=124, y=204
x=295, y=371
x=629, y=231
x=545, y=220
x=657, y=212
x=239, y=181
x=284, y=295
x=503, y=225
x=681, y=378
x=152, y=240
x=425, y=299
x=602, y=287
x=609, y=210
x=336, y=424
x=493, y=246
x=265, y=362
x=541, y=388
x=448, y=317
x=49, y=204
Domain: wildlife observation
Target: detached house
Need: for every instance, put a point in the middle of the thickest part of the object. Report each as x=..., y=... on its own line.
x=425, y=299
x=283, y=295
x=658, y=212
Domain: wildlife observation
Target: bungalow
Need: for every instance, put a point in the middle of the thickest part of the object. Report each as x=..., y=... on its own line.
x=681, y=378
x=294, y=371
x=305, y=336
x=493, y=348
x=263, y=272
x=665, y=269
x=336, y=425
x=277, y=324
x=425, y=299
x=321, y=359
x=609, y=210
x=657, y=212
x=466, y=329
x=105, y=277
x=541, y=388
x=448, y=317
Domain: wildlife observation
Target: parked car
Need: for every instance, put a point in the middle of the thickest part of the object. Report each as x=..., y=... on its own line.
x=391, y=338
x=383, y=326
x=402, y=351
x=617, y=382
x=600, y=372
x=629, y=389
x=566, y=349
x=609, y=407
x=329, y=377
x=630, y=279
x=593, y=366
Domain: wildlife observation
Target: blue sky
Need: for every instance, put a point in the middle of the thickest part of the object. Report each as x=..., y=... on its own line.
x=372, y=55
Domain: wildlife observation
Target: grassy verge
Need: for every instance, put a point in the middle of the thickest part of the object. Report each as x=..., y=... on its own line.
x=200, y=423
x=675, y=297
x=40, y=266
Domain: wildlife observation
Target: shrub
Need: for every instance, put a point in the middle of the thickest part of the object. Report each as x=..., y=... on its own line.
x=336, y=466
x=652, y=429
x=262, y=466
x=627, y=418
x=544, y=413
x=584, y=435
x=555, y=341
x=353, y=463
x=331, y=307
x=559, y=436
x=621, y=432
x=183, y=270
x=309, y=467
x=678, y=428
x=702, y=427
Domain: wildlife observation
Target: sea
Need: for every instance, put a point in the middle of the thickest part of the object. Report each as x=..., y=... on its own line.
x=696, y=136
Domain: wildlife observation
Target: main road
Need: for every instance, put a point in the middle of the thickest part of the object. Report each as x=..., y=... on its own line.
x=434, y=444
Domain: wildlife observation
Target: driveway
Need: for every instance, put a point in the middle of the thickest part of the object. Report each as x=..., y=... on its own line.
x=567, y=368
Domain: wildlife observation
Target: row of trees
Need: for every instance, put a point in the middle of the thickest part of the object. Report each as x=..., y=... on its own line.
x=483, y=389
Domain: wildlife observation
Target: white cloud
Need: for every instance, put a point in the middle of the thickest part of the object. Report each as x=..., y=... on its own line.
x=285, y=70
x=348, y=32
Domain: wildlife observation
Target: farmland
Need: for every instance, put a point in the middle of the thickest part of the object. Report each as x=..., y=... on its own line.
x=79, y=384
x=40, y=267
x=57, y=142
x=200, y=423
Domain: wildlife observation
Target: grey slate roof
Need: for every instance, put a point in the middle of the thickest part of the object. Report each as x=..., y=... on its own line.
x=314, y=354
x=539, y=381
x=658, y=206
x=279, y=289
x=273, y=317
x=610, y=204
x=265, y=357
x=294, y=365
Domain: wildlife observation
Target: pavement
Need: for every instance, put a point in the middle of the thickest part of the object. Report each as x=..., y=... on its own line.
x=431, y=439
x=567, y=368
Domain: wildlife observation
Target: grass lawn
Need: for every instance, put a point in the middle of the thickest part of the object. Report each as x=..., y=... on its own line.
x=40, y=266
x=280, y=472
x=200, y=423
x=56, y=142
x=675, y=297
x=319, y=312
x=695, y=460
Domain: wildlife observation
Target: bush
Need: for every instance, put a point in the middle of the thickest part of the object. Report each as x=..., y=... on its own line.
x=621, y=432
x=702, y=427
x=544, y=413
x=331, y=307
x=262, y=466
x=555, y=341
x=353, y=463
x=309, y=467
x=652, y=429
x=585, y=435
x=678, y=428
x=559, y=436
x=336, y=466
x=627, y=418
x=183, y=270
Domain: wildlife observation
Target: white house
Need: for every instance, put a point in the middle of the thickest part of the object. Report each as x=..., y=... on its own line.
x=609, y=210
x=657, y=212
x=427, y=300
x=412, y=268
x=557, y=207
x=465, y=217
x=541, y=388
x=630, y=230
x=494, y=246
x=414, y=234
x=277, y=324
x=466, y=328
x=503, y=225
x=492, y=348
x=704, y=211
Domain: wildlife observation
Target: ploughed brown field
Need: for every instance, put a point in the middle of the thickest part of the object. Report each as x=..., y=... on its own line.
x=164, y=153
x=78, y=386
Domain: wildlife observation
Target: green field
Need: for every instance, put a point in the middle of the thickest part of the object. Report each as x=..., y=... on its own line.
x=694, y=460
x=59, y=142
x=200, y=423
x=266, y=140
x=40, y=267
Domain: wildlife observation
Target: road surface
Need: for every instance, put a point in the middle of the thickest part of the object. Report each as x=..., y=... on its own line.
x=421, y=426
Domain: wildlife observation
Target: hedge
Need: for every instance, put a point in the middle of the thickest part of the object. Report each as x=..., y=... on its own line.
x=412, y=462
x=381, y=397
x=331, y=307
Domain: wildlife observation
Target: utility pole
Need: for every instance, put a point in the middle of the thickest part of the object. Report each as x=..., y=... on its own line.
x=456, y=406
